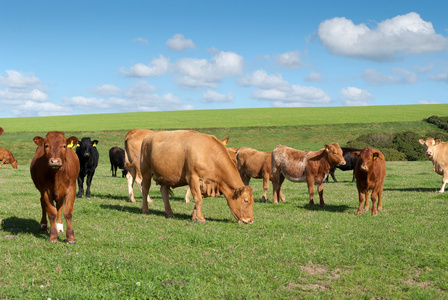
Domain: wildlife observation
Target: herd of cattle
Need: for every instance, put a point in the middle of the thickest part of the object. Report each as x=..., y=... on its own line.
x=205, y=165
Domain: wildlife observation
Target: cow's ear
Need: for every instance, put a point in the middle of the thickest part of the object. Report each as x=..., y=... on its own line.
x=375, y=155
x=421, y=141
x=38, y=140
x=95, y=142
x=225, y=141
x=438, y=141
x=72, y=142
x=327, y=148
x=356, y=153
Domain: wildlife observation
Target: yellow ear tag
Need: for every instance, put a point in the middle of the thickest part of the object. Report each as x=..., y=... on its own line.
x=94, y=145
x=328, y=150
x=375, y=157
x=71, y=145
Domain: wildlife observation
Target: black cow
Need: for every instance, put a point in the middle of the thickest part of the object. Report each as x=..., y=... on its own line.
x=117, y=159
x=88, y=160
x=350, y=162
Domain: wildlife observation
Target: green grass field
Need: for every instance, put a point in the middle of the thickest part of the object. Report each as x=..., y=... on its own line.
x=292, y=250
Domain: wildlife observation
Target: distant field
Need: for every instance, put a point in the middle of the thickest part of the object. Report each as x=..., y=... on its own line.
x=227, y=118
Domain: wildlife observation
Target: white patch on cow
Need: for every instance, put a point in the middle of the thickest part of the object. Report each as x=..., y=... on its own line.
x=43, y=226
x=298, y=172
x=60, y=227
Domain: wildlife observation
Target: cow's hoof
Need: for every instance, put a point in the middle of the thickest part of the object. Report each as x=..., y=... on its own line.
x=71, y=243
x=145, y=211
x=199, y=221
x=169, y=216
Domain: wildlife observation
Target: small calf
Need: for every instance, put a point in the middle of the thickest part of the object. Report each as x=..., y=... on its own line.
x=6, y=157
x=370, y=172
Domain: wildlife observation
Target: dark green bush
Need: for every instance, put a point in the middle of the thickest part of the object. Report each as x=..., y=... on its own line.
x=407, y=143
x=393, y=154
x=441, y=122
x=377, y=140
x=357, y=144
x=437, y=135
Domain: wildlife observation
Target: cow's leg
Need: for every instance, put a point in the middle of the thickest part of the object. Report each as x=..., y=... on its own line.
x=380, y=204
x=68, y=214
x=52, y=214
x=444, y=181
x=277, y=181
x=374, y=198
x=321, y=194
x=311, y=191
x=59, y=224
x=145, y=184
x=366, y=204
x=130, y=180
x=89, y=182
x=361, y=196
x=165, y=191
x=353, y=179
x=265, y=187
x=43, y=221
x=282, y=196
x=195, y=188
x=80, y=186
x=332, y=170
x=2, y=164
x=187, y=195
x=138, y=180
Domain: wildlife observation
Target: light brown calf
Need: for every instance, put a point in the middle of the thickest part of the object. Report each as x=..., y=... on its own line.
x=6, y=157
x=437, y=151
x=370, y=172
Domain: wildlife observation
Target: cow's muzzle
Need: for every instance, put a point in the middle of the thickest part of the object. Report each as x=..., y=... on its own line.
x=55, y=163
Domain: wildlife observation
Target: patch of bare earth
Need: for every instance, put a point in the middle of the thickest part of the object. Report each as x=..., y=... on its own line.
x=322, y=276
x=422, y=284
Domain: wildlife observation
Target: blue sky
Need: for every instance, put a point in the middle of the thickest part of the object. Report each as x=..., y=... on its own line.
x=83, y=57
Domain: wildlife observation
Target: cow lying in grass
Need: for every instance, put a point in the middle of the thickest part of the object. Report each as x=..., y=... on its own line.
x=185, y=157
x=370, y=172
x=310, y=166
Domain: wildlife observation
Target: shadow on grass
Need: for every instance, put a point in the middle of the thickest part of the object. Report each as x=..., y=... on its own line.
x=414, y=189
x=15, y=225
x=160, y=213
x=328, y=207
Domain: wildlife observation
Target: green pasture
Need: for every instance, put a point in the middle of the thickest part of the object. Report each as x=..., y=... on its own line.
x=292, y=251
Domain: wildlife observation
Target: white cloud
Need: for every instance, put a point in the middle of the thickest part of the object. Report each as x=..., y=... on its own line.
x=314, y=77
x=400, y=76
x=195, y=73
x=290, y=60
x=179, y=42
x=15, y=79
x=428, y=102
x=390, y=40
x=439, y=77
x=262, y=79
x=140, y=40
x=139, y=90
x=31, y=108
x=157, y=67
x=106, y=90
x=210, y=96
x=354, y=96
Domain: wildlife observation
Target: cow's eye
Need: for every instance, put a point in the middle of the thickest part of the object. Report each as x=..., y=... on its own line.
x=65, y=146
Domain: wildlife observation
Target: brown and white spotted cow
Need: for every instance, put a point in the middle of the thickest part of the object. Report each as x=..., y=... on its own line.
x=54, y=170
x=310, y=166
x=370, y=172
x=437, y=151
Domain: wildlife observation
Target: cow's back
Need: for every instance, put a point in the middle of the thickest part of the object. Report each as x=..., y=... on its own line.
x=175, y=155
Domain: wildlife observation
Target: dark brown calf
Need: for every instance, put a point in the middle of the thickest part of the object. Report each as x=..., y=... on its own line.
x=370, y=172
x=6, y=157
x=54, y=169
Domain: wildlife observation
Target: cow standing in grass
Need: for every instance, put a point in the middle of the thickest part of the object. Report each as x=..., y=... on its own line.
x=54, y=169
x=88, y=159
x=310, y=166
x=117, y=161
x=370, y=172
x=437, y=151
x=6, y=157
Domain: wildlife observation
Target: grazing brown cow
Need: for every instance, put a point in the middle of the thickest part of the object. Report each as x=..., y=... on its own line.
x=133, y=145
x=252, y=163
x=437, y=151
x=1, y=130
x=370, y=172
x=185, y=157
x=310, y=166
x=6, y=157
x=54, y=170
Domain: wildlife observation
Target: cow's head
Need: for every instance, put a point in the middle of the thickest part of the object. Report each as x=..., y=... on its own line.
x=14, y=164
x=55, y=147
x=368, y=157
x=242, y=204
x=334, y=154
x=85, y=146
x=429, y=144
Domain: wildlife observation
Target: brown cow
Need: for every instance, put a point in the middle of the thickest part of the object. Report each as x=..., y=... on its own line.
x=310, y=166
x=252, y=163
x=370, y=172
x=1, y=130
x=184, y=157
x=54, y=170
x=6, y=157
x=437, y=151
x=133, y=145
